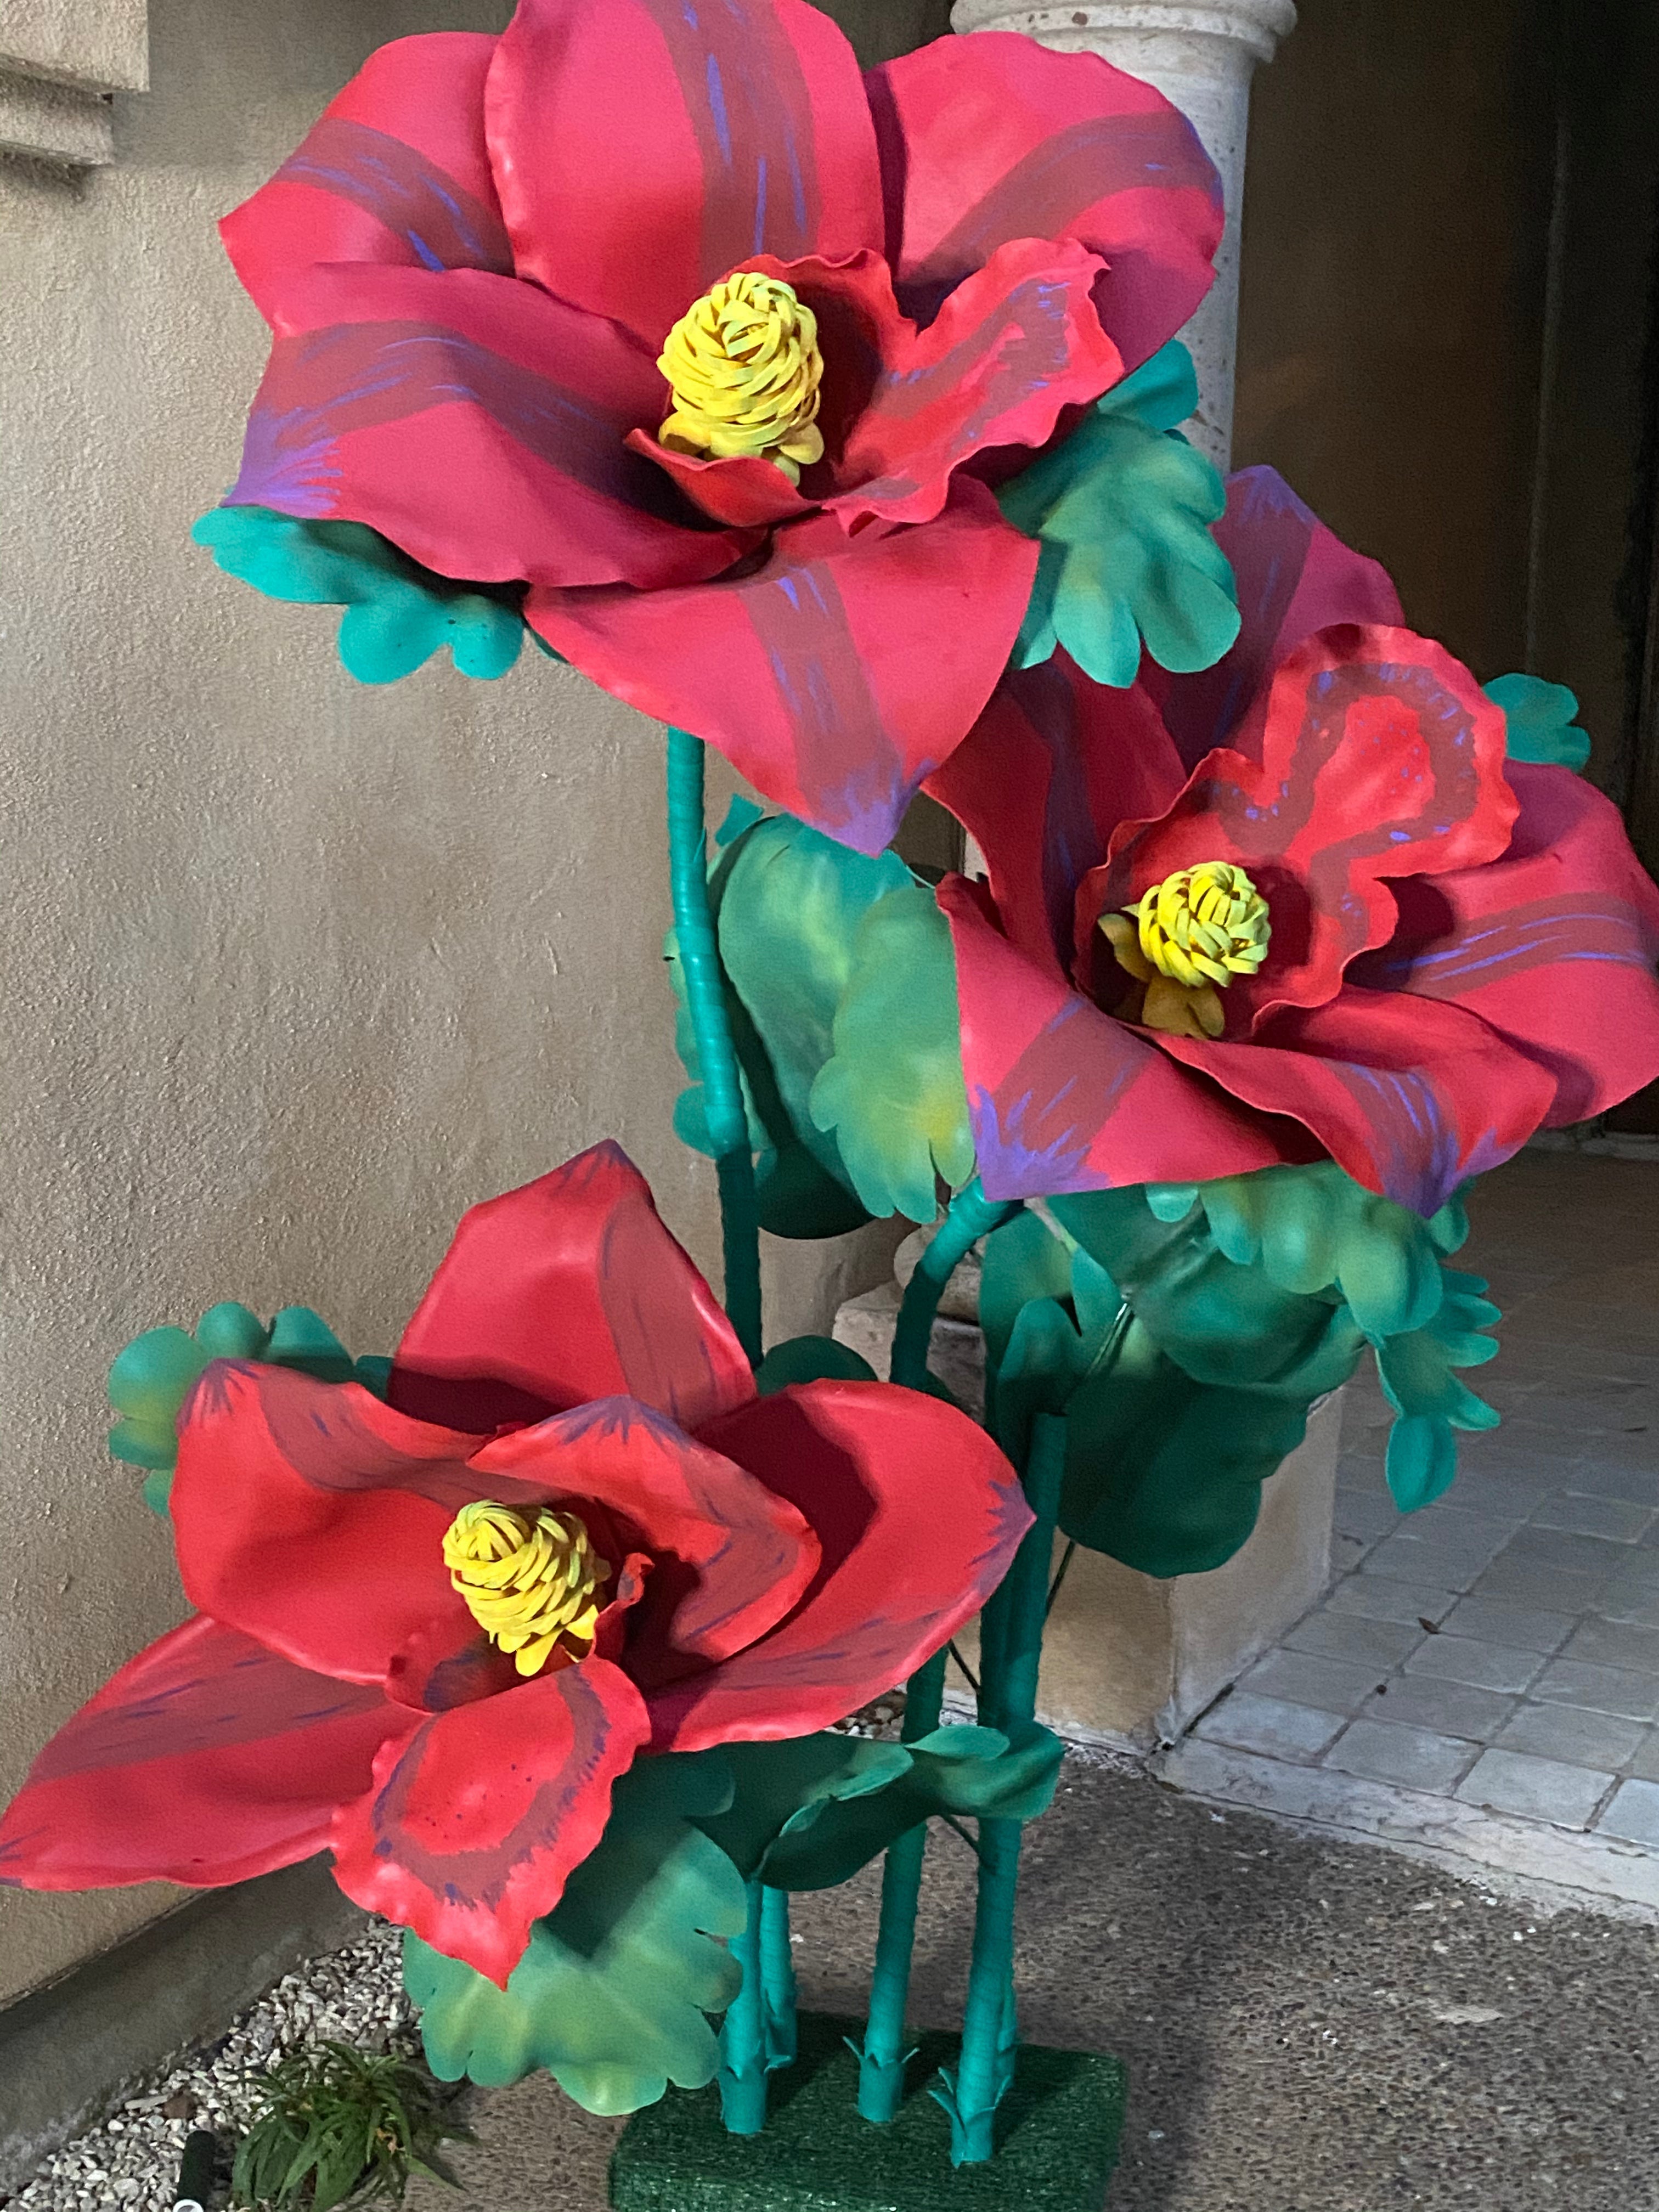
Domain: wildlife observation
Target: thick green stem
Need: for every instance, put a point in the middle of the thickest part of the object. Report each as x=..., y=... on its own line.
x=777, y=1980
x=705, y=998
x=743, y=2035
x=1013, y=1644
x=882, y=2061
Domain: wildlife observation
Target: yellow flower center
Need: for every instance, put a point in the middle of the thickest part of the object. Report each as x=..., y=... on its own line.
x=1186, y=940
x=530, y=1584
x=744, y=368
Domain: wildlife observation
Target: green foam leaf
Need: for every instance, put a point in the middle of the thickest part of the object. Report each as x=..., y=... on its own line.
x=810, y=1360
x=810, y=1811
x=1543, y=720
x=397, y=614
x=1123, y=509
x=841, y=992
x=894, y=1095
x=612, y=1996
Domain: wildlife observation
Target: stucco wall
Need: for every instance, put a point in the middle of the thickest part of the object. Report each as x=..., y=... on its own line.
x=292, y=970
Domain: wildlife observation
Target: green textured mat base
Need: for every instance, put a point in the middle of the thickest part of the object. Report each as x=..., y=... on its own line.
x=1057, y=2137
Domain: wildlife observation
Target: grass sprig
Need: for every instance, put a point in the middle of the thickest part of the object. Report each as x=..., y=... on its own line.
x=338, y=2125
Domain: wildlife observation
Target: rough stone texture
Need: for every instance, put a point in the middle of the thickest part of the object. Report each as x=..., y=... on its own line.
x=55, y=122
x=63, y=2049
x=294, y=970
x=1201, y=54
x=99, y=44
x=1309, y=2027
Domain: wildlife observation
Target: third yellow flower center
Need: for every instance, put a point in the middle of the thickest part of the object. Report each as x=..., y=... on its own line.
x=746, y=369
x=531, y=1584
x=1186, y=940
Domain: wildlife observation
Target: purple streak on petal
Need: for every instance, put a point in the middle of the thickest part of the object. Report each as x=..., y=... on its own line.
x=446, y=226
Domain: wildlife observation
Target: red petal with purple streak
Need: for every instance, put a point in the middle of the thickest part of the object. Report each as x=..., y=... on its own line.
x=992, y=139
x=395, y=170
x=207, y=1760
x=730, y=1557
x=377, y=372
x=1412, y=1097
x=919, y=1516
x=566, y=1290
x=1379, y=757
x=1015, y=344
x=1064, y=1097
x=474, y=1823
x=1044, y=777
x=1554, y=947
x=644, y=148
x=836, y=676
x=311, y=1516
x=1294, y=577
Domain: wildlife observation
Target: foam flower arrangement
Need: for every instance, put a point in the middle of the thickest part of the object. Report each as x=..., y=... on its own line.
x=669, y=319
x=1301, y=906
x=432, y=1634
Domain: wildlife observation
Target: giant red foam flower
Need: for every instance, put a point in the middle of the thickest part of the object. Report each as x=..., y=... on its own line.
x=1462, y=950
x=774, y=1563
x=472, y=262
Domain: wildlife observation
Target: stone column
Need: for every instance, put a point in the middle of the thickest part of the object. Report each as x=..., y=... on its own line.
x=1201, y=54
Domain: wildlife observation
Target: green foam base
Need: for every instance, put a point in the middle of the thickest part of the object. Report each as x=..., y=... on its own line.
x=1057, y=2137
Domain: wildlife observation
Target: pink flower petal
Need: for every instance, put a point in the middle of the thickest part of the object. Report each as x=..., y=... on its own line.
x=566, y=1290
x=207, y=1760
x=395, y=170
x=919, y=1516
x=643, y=149
x=476, y=1819
x=838, y=674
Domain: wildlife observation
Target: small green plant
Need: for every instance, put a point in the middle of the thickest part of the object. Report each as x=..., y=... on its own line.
x=339, y=2126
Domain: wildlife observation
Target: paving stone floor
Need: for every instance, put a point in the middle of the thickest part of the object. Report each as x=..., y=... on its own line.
x=1502, y=1646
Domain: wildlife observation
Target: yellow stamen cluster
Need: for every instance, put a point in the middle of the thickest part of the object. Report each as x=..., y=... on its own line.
x=1186, y=940
x=530, y=1584
x=746, y=370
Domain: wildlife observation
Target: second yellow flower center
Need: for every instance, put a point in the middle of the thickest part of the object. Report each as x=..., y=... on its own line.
x=746, y=370
x=531, y=1584
x=1186, y=940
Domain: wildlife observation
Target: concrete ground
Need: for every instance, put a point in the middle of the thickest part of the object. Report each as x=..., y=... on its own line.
x=1310, y=2027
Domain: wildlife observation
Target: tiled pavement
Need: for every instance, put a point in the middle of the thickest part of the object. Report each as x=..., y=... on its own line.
x=1501, y=1648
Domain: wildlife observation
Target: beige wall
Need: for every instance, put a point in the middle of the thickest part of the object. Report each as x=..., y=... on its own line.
x=292, y=970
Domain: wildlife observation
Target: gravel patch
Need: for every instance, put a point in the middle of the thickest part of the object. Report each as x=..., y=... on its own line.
x=130, y=2158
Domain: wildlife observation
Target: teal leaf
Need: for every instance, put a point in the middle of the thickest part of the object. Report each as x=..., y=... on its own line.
x=612, y=1994
x=1123, y=510
x=1164, y=1472
x=1419, y=1378
x=397, y=614
x=148, y=1381
x=893, y=1095
x=1542, y=721
x=810, y=1811
x=810, y=1360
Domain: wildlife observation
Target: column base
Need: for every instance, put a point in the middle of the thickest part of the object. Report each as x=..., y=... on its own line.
x=1057, y=2140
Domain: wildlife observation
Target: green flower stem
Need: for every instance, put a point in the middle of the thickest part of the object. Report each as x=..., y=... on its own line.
x=705, y=994
x=777, y=1979
x=742, y=2034
x=882, y=2061
x=972, y=1215
x=1007, y=1701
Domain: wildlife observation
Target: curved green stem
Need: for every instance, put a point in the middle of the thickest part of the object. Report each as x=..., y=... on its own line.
x=990, y=2034
x=882, y=2061
x=717, y=1059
